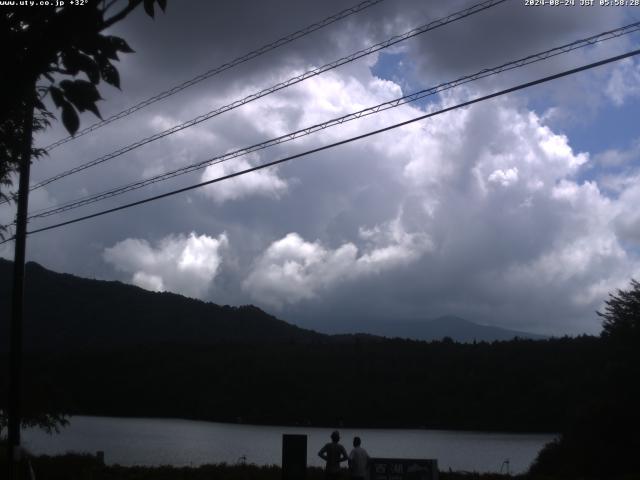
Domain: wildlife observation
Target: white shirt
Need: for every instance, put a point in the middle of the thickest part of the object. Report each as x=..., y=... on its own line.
x=358, y=462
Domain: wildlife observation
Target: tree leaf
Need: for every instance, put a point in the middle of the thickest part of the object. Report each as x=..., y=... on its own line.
x=93, y=109
x=70, y=62
x=77, y=62
x=57, y=96
x=107, y=48
x=70, y=118
x=90, y=68
x=82, y=94
x=148, y=7
x=39, y=105
x=39, y=152
x=120, y=45
x=66, y=84
x=110, y=75
x=93, y=74
x=89, y=44
x=163, y=4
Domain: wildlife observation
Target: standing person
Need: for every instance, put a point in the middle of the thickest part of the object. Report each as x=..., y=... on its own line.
x=358, y=461
x=333, y=453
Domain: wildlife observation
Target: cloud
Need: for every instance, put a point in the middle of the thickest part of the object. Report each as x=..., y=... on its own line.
x=590, y=255
x=292, y=270
x=491, y=192
x=512, y=226
x=264, y=182
x=624, y=82
x=179, y=263
x=627, y=220
x=504, y=177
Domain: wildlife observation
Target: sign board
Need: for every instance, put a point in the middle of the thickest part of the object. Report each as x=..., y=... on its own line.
x=294, y=457
x=403, y=469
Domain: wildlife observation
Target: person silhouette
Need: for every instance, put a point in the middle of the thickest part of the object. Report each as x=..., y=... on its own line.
x=333, y=453
x=358, y=461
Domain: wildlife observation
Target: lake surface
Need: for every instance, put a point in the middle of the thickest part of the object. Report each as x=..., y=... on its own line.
x=151, y=441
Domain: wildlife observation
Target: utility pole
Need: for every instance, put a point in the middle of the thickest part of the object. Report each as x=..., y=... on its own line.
x=17, y=300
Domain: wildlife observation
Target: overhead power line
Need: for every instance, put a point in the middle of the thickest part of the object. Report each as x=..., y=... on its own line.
x=292, y=81
x=342, y=142
x=537, y=57
x=219, y=69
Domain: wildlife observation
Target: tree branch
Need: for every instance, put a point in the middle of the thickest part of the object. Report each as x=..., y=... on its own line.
x=121, y=14
x=60, y=70
x=108, y=5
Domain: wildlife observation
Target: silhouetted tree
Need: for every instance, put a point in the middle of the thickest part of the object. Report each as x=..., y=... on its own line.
x=622, y=314
x=603, y=440
x=44, y=50
x=49, y=422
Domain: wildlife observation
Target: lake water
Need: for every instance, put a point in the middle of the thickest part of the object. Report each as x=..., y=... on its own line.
x=150, y=441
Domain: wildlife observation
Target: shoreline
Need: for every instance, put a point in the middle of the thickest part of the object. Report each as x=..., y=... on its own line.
x=319, y=426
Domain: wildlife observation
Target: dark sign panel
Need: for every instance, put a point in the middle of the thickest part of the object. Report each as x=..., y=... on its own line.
x=403, y=469
x=294, y=457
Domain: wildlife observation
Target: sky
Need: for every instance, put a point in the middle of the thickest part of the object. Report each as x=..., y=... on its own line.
x=519, y=212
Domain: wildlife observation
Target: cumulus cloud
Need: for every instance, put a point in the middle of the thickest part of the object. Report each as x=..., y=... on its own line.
x=291, y=269
x=178, y=263
x=509, y=219
x=588, y=258
x=264, y=182
x=490, y=191
x=504, y=177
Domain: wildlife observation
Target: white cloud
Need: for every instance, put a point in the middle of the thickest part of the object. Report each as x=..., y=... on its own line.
x=264, y=182
x=547, y=239
x=291, y=269
x=148, y=281
x=496, y=142
x=504, y=177
x=179, y=263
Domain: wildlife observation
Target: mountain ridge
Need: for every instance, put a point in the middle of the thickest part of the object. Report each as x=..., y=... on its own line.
x=456, y=328
x=66, y=311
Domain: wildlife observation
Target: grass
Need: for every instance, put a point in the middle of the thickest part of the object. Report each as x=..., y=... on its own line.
x=88, y=467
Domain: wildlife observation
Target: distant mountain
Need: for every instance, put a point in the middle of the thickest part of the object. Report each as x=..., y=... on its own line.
x=65, y=312
x=456, y=328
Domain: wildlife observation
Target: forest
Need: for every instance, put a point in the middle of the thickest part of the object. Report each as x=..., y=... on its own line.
x=521, y=385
